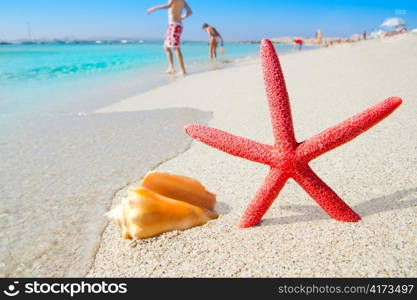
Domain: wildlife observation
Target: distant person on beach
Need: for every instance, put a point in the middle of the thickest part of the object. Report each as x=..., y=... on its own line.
x=299, y=43
x=214, y=37
x=175, y=28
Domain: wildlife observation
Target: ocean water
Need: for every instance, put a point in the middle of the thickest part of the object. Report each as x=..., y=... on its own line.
x=47, y=78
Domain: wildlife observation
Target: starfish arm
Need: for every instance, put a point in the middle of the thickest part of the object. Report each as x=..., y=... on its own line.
x=346, y=130
x=278, y=100
x=232, y=144
x=324, y=195
x=263, y=199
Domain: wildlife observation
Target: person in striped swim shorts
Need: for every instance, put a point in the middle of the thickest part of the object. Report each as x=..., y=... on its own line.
x=175, y=29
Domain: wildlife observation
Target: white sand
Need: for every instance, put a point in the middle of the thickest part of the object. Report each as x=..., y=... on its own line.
x=375, y=174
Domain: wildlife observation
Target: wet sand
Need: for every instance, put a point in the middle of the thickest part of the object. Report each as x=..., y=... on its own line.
x=60, y=174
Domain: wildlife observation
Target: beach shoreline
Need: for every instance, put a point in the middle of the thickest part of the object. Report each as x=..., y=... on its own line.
x=295, y=239
x=65, y=82
x=70, y=163
x=89, y=167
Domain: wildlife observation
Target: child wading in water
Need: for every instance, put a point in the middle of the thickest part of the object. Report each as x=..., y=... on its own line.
x=214, y=37
x=175, y=28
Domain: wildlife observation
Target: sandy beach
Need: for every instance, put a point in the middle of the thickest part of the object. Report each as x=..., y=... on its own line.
x=375, y=174
x=62, y=171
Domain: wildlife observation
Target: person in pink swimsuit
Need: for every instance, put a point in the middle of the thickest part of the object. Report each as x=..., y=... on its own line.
x=215, y=38
x=175, y=28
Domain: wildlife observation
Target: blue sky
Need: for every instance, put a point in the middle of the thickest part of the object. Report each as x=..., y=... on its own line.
x=236, y=20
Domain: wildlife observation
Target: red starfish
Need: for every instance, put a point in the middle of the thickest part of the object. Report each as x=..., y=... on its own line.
x=288, y=158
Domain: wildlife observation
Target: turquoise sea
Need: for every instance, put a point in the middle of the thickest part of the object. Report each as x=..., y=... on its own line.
x=50, y=78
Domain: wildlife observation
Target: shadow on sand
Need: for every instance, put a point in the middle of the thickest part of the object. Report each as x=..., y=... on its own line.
x=222, y=208
x=373, y=206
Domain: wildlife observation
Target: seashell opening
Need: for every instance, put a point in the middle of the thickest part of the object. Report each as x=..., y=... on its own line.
x=163, y=202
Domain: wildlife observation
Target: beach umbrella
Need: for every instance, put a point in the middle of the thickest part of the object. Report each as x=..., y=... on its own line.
x=393, y=22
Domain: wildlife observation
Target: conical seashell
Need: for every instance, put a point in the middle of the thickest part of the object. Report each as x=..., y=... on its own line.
x=146, y=213
x=179, y=187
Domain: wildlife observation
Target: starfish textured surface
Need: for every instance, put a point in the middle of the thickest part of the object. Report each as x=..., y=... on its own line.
x=287, y=158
